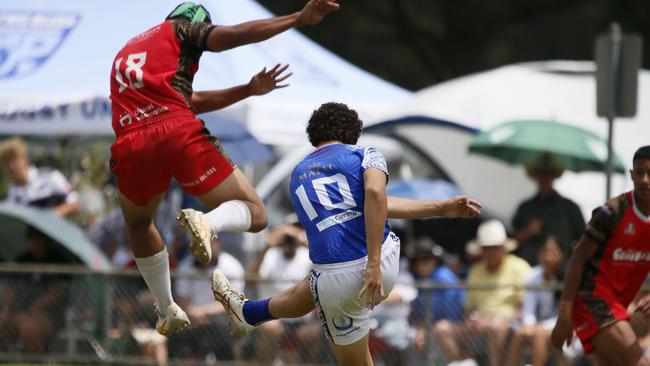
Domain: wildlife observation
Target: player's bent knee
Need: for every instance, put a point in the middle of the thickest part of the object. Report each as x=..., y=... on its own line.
x=259, y=219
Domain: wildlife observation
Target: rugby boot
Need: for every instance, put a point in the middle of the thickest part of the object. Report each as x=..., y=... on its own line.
x=233, y=301
x=172, y=321
x=200, y=233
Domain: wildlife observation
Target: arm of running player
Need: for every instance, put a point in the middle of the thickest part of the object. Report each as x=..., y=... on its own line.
x=563, y=330
x=223, y=38
x=461, y=206
x=260, y=84
x=375, y=213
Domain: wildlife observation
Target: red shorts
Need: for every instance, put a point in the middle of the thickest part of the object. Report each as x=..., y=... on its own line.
x=591, y=313
x=145, y=159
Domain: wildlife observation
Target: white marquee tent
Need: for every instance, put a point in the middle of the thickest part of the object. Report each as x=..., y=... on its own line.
x=55, y=60
x=563, y=91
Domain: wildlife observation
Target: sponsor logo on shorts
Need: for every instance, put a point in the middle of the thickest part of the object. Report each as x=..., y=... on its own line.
x=342, y=322
x=202, y=178
x=630, y=255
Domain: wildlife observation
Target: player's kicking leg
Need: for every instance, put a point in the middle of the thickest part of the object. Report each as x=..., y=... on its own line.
x=237, y=208
x=152, y=260
x=245, y=314
x=617, y=344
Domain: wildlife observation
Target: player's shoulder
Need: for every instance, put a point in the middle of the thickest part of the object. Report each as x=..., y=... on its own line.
x=613, y=208
x=149, y=33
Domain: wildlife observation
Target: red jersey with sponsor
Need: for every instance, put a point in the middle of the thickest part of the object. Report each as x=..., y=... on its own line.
x=151, y=77
x=622, y=261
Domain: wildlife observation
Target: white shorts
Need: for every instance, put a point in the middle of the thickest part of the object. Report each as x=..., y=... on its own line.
x=335, y=287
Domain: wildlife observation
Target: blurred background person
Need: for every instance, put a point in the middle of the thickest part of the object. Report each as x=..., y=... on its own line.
x=546, y=213
x=283, y=262
x=494, y=289
x=208, y=334
x=443, y=308
x=32, y=304
x=108, y=232
x=32, y=186
x=540, y=308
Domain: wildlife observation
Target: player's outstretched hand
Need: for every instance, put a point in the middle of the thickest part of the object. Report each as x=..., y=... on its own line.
x=562, y=332
x=372, y=292
x=643, y=305
x=462, y=206
x=266, y=81
x=315, y=10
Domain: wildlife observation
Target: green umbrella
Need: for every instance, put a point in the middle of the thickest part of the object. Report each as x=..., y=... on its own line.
x=523, y=142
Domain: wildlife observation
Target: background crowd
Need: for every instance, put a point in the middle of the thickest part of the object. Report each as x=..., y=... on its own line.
x=456, y=305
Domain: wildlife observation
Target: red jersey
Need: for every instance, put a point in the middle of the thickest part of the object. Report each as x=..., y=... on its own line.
x=151, y=77
x=622, y=261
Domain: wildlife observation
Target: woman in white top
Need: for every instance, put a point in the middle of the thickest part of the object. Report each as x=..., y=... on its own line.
x=540, y=307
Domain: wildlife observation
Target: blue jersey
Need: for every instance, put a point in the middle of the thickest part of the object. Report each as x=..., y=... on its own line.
x=328, y=195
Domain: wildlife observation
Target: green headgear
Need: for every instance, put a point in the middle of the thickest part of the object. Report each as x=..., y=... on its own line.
x=193, y=12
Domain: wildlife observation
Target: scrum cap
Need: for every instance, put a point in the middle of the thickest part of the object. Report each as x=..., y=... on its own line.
x=193, y=12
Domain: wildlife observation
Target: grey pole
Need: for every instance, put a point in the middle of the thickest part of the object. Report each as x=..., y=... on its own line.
x=615, y=39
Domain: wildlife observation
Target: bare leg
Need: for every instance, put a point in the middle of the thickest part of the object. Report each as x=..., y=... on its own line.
x=618, y=345
x=540, y=343
x=355, y=354
x=293, y=302
x=519, y=339
x=497, y=331
x=445, y=334
x=152, y=260
x=143, y=237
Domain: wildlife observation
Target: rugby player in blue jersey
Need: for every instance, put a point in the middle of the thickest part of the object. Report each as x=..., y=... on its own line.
x=339, y=194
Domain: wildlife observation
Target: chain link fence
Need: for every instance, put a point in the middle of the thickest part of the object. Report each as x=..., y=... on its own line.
x=68, y=315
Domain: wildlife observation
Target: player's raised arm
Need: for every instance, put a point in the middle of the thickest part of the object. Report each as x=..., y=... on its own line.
x=461, y=206
x=260, y=84
x=226, y=37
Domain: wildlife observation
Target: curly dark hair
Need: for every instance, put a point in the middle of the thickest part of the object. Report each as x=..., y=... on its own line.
x=334, y=122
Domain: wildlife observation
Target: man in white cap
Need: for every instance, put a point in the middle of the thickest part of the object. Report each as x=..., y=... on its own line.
x=495, y=287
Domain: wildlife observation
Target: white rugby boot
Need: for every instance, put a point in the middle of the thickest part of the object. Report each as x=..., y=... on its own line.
x=200, y=233
x=233, y=301
x=172, y=321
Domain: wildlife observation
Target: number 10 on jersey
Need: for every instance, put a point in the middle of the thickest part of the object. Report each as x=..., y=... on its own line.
x=319, y=186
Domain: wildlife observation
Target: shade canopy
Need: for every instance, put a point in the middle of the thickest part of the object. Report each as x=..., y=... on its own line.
x=524, y=142
x=15, y=219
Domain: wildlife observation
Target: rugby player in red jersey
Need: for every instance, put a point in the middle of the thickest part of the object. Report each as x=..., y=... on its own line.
x=159, y=137
x=606, y=270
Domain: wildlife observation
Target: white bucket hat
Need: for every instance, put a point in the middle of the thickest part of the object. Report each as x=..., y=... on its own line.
x=490, y=233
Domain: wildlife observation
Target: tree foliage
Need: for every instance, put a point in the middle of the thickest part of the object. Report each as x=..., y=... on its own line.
x=416, y=43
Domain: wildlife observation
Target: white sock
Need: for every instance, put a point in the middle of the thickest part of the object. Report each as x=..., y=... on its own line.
x=155, y=271
x=232, y=216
